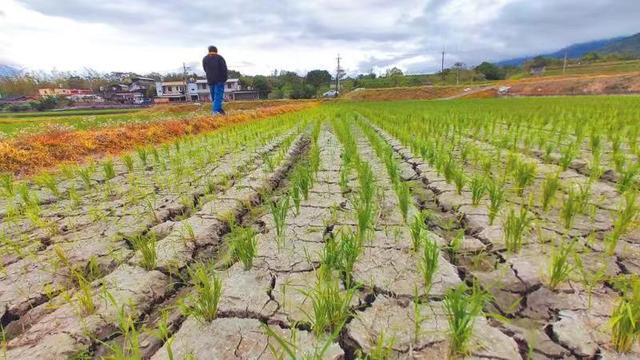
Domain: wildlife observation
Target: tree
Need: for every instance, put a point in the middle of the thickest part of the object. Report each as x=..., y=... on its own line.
x=592, y=56
x=318, y=78
x=261, y=85
x=394, y=71
x=233, y=74
x=490, y=71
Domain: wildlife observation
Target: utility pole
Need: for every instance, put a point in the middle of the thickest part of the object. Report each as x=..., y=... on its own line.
x=564, y=65
x=442, y=69
x=184, y=75
x=338, y=72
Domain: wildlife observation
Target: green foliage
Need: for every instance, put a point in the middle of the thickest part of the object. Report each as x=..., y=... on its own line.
x=549, y=188
x=243, y=244
x=462, y=307
x=429, y=262
x=625, y=327
x=330, y=304
x=516, y=226
x=203, y=304
x=560, y=268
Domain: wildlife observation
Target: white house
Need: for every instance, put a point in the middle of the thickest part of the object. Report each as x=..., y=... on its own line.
x=198, y=90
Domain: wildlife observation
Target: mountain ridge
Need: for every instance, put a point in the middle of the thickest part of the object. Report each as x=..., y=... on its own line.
x=620, y=44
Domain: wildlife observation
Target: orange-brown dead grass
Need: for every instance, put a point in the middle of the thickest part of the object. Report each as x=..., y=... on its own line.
x=30, y=154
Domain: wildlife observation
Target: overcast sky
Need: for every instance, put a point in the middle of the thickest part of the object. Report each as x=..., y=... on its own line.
x=259, y=36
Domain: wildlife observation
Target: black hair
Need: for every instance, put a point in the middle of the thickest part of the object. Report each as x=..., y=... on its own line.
x=213, y=49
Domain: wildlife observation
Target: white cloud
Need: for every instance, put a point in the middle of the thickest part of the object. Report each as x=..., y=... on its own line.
x=258, y=36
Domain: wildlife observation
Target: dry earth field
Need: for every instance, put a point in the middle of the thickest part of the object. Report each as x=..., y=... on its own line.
x=483, y=229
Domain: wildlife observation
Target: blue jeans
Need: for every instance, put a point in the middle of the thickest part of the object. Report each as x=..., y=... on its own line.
x=217, y=94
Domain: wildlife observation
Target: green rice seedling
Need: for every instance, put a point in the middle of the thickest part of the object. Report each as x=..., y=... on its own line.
x=404, y=198
x=279, y=209
x=146, y=245
x=129, y=348
x=7, y=184
x=570, y=209
x=47, y=180
x=26, y=195
x=625, y=216
x=350, y=250
x=162, y=329
x=418, y=317
x=74, y=197
x=187, y=233
x=84, y=296
x=109, y=170
x=460, y=180
x=417, y=229
x=496, y=199
x=344, y=179
x=331, y=256
x=243, y=244
x=330, y=304
x=516, y=225
x=591, y=278
x=549, y=188
x=628, y=177
x=143, y=155
x=304, y=182
x=85, y=174
x=619, y=162
x=462, y=310
x=429, y=263
x=456, y=244
x=524, y=174
x=128, y=162
x=296, y=197
x=625, y=327
x=382, y=349
x=208, y=290
x=291, y=349
x=560, y=268
x=567, y=155
x=364, y=215
x=478, y=189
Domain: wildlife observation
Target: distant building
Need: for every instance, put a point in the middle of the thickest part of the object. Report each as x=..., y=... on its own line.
x=91, y=98
x=44, y=92
x=198, y=90
x=537, y=70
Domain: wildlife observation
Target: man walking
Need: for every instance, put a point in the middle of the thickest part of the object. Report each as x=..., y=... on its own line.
x=216, y=69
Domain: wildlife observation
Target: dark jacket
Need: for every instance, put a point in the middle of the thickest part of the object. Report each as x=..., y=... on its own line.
x=216, y=68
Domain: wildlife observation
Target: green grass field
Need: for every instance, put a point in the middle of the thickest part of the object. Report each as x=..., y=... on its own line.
x=12, y=124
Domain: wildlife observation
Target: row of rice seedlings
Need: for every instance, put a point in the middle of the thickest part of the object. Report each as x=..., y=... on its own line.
x=135, y=194
x=625, y=328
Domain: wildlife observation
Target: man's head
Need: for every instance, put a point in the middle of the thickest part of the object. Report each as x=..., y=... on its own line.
x=213, y=49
